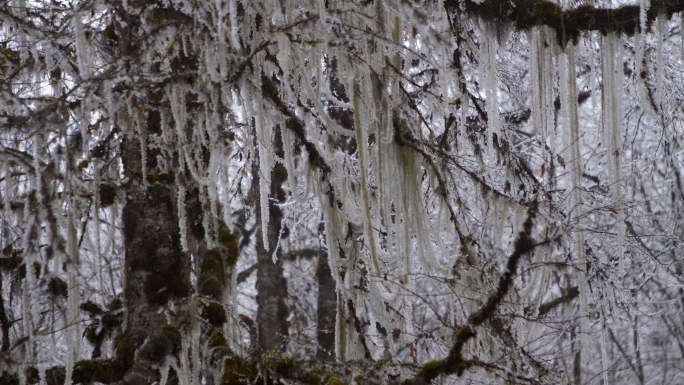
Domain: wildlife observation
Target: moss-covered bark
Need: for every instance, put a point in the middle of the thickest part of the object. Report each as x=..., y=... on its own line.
x=568, y=23
x=157, y=271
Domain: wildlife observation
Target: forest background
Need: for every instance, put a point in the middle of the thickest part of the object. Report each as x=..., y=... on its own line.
x=341, y=192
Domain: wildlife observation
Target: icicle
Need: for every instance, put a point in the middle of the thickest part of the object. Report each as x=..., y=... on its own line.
x=488, y=48
x=353, y=348
x=164, y=372
x=183, y=367
x=22, y=374
x=96, y=220
x=8, y=192
x=681, y=37
x=536, y=81
x=222, y=44
x=318, y=54
x=542, y=74
x=387, y=152
x=569, y=103
x=265, y=150
x=225, y=201
x=42, y=378
x=73, y=297
x=284, y=56
x=660, y=62
x=196, y=364
x=212, y=189
x=111, y=239
x=288, y=151
x=142, y=138
x=182, y=213
x=612, y=125
x=82, y=52
x=230, y=328
x=143, y=157
x=29, y=310
x=212, y=66
x=187, y=157
x=413, y=214
x=29, y=307
x=361, y=144
x=23, y=46
x=176, y=98
x=605, y=356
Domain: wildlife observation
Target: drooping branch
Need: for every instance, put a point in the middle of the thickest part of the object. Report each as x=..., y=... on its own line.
x=568, y=23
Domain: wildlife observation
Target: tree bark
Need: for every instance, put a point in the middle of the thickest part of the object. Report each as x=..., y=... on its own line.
x=156, y=269
x=327, y=309
x=272, y=313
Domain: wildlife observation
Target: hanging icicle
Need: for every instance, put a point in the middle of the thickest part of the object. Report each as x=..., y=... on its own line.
x=488, y=49
x=661, y=23
x=265, y=151
x=234, y=34
x=73, y=297
x=681, y=37
x=182, y=212
x=83, y=58
x=289, y=155
x=542, y=74
x=413, y=213
x=362, y=149
x=96, y=225
x=569, y=103
x=542, y=78
x=611, y=112
x=29, y=307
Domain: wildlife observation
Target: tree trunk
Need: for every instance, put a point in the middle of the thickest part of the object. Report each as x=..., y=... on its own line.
x=156, y=269
x=327, y=309
x=272, y=313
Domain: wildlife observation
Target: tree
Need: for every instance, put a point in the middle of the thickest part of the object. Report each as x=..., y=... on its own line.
x=338, y=192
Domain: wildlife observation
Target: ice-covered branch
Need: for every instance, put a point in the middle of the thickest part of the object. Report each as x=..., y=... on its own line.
x=455, y=363
x=567, y=23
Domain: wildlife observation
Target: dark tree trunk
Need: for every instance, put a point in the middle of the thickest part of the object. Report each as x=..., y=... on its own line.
x=156, y=269
x=327, y=309
x=215, y=270
x=272, y=313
